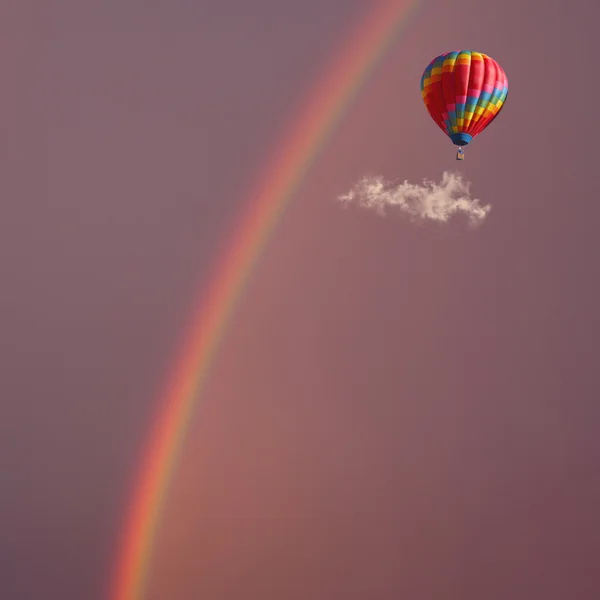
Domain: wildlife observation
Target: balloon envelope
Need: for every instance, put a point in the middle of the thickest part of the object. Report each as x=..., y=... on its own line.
x=463, y=92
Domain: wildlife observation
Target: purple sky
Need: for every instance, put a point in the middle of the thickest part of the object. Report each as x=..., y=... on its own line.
x=398, y=410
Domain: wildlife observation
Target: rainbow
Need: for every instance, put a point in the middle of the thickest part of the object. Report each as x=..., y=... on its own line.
x=333, y=92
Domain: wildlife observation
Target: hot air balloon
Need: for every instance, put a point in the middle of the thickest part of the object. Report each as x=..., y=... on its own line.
x=463, y=92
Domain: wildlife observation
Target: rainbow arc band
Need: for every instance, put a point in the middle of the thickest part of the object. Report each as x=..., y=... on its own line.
x=307, y=134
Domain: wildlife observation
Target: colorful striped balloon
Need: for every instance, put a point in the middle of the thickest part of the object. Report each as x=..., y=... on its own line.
x=463, y=92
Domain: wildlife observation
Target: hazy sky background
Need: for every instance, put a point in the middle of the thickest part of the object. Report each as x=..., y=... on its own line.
x=398, y=411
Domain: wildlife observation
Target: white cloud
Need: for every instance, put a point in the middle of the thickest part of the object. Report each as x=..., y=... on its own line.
x=428, y=201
